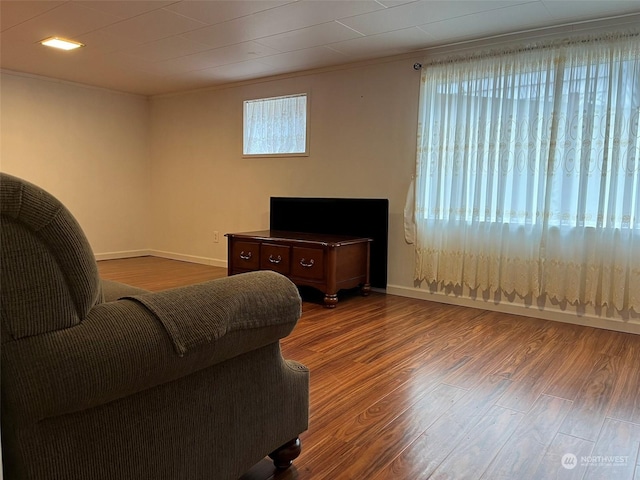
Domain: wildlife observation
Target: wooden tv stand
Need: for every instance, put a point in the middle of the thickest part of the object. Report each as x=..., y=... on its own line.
x=327, y=262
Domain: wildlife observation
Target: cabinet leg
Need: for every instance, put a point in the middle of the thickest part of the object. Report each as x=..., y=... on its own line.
x=330, y=300
x=365, y=289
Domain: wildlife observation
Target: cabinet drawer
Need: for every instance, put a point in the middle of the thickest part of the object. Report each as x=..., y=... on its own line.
x=274, y=257
x=246, y=255
x=307, y=263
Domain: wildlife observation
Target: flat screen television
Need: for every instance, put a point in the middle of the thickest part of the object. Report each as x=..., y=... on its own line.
x=362, y=217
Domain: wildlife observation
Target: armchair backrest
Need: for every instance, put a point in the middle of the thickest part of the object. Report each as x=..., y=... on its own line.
x=48, y=274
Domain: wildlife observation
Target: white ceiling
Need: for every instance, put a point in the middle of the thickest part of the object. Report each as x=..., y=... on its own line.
x=153, y=46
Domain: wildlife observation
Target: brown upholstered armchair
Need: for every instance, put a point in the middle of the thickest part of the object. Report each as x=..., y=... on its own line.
x=183, y=384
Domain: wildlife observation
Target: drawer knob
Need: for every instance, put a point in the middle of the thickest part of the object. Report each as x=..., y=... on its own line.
x=245, y=256
x=305, y=264
x=275, y=260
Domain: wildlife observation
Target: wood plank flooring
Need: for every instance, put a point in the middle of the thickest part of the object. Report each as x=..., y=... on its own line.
x=410, y=389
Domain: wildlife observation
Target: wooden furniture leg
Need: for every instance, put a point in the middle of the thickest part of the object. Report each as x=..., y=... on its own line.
x=284, y=456
x=330, y=300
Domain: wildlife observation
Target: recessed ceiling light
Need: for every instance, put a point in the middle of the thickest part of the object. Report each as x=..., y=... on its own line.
x=62, y=43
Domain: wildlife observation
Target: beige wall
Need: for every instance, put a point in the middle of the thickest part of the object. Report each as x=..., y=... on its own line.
x=163, y=174
x=88, y=147
x=362, y=144
x=160, y=175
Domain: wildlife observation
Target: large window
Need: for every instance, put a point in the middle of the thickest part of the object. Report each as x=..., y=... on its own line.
x=276, y=126
x=528, y=172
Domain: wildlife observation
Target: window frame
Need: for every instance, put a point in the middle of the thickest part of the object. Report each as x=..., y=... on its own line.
x=306, y=152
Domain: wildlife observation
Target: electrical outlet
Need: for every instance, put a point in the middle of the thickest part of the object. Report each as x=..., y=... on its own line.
x=216, y=237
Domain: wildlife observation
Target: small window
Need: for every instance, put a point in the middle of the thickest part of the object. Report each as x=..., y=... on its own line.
x=276, y=126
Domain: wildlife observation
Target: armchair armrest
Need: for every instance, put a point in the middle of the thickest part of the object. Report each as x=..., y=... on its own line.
x=122, y=348
x=197, y=315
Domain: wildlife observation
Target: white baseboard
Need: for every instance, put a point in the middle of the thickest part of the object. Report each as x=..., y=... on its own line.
x=549, y=313
x=158, y=253
x=214, y=262
x=125, y=254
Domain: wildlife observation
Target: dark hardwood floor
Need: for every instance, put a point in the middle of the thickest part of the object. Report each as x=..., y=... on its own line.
x=410, y=389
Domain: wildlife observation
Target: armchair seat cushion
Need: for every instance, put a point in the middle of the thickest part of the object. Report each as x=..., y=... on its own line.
x=112, y=291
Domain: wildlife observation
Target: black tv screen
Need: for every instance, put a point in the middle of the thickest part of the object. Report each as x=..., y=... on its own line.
x=362, y=217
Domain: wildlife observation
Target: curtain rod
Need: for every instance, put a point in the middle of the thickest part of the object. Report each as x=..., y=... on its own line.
x=539, y=45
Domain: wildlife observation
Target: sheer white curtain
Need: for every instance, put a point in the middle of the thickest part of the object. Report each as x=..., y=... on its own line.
x=528, y=172
x=275, y=125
